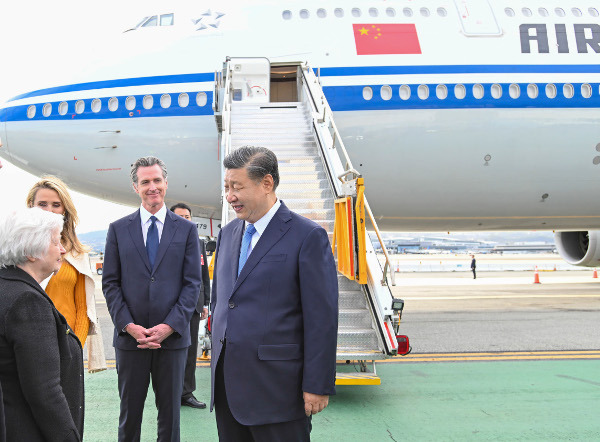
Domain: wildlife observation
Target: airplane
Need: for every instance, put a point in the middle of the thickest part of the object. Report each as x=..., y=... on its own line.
x=472, y=114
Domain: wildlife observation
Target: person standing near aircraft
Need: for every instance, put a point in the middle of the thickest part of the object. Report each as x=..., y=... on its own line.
x=41, y=360
x=72, y=289
x=274, y=310
x=200, y=312
x=473, y=266
x=151, y=282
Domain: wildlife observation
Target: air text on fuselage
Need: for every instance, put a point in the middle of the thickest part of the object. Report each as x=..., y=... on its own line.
x=587, y=36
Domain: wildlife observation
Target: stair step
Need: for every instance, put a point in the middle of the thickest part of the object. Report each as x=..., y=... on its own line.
x=355, y=354
x=305, y=204
x=356, y=317
x=352, y=300
x=354, y=338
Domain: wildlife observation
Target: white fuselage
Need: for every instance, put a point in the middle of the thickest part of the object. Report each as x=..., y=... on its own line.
x=506, y=155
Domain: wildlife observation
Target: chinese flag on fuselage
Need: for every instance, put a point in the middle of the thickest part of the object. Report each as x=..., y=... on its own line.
x=380, y=39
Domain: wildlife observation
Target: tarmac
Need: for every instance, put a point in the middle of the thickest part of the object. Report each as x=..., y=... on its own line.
x=497, y=358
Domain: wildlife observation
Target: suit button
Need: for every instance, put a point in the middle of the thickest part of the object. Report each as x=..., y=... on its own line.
x=231, y=305
x=152, y=279
x=221, y=341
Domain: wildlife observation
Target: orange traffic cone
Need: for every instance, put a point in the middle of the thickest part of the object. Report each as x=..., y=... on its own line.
x=536, y=276
x=595, y=275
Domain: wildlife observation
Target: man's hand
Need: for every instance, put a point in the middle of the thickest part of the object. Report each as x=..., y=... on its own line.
x=204, y=313
x=136, y=331
x=314, y=403
x=155, y=335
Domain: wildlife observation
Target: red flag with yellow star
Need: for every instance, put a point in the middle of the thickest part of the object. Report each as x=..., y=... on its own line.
x=380, y=39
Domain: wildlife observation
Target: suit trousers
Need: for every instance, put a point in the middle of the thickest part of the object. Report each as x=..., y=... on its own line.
x=230, y=430
x=189, y=378
x=135, y=368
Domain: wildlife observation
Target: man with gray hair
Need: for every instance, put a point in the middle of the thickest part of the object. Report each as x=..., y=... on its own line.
x=151, y=282
x=275, y=307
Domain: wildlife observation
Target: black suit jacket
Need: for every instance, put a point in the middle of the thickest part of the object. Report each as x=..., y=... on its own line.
x=204, y=298
x=166, y=294
x=41, y=364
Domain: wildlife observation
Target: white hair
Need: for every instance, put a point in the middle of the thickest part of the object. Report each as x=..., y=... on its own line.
x=27, y=233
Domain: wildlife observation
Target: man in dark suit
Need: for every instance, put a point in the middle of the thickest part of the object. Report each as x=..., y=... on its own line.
x=151, y=282
x=473, y=266
x=201, y=312
x=274, y=310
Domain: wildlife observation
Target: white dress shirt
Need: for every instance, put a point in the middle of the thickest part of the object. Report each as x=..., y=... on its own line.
x=160, y=221
x=262, y=224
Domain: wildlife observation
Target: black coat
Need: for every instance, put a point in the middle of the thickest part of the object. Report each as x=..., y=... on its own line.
x=43, y=398
x=204, y=298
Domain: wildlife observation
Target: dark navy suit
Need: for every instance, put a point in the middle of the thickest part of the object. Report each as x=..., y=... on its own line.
x=278, y=319
x=166, y=294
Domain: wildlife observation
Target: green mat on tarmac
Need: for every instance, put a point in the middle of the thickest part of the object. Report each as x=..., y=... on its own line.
x=506, y=400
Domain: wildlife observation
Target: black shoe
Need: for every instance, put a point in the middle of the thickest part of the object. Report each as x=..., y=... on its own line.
x=192, y=402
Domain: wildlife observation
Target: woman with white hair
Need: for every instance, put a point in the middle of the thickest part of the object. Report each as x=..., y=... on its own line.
x=41, y=361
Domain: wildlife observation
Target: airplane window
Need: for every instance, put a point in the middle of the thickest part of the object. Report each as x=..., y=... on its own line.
x=386, y=92
x=304, y=13
x=407, y=12
x=586, y=90
x=593, y=12
x=425, y=12
x=166, y=20
x=63, y=108
x=478, y=91
x=460, y=91
x=532, y=90
x=356, y=12
x=404, y=92
x=31, y=111
x=338, y=12
x=151, y=22
x=543, y=12
x=367, y=93
x=148, y=101
x=96, y=105
x=423, y=92
x=183, y=100
x=496, y=91
x=201, y=99
x=321, y=13
x=47, y=110
x=130, y=103
x=526, y=12
x=442, y=12
x=79, y=106
x=560, y=12
x=113, y=104
x=165, y=101
x=391, y=12
x=287, y=15
x=576, y=12
x=514, y=91
x=373, y=12
x=550, y=91
x=441, y=91
x=141, y=22
x=568, y=90
x=509, y=12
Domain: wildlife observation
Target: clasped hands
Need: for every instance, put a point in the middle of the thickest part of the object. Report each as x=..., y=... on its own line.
x=149, y=338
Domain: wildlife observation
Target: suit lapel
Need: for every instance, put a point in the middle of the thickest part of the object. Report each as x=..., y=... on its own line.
x=277, y=227
x=237, y=232
x=135, y=230
x=169, y=229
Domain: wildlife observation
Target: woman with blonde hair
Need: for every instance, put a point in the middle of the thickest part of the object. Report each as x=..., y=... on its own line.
x=72, y=288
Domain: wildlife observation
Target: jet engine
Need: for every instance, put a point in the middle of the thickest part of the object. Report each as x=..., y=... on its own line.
x=579, y=248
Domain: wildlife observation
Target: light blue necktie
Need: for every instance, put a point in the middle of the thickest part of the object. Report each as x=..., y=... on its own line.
x=152, y=241
x=246, y=241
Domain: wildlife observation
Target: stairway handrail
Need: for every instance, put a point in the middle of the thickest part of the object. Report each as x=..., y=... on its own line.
x=349, y=168
x=225, y=146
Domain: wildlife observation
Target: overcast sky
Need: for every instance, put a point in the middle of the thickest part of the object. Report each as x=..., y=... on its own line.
x=38, y=37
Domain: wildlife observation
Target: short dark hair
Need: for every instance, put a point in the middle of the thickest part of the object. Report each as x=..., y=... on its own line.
x=258, y=161
x=181, y=206
x=147, y=162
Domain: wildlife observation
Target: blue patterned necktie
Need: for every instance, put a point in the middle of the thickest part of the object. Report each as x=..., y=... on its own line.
x=246, y=241
x=152, y=241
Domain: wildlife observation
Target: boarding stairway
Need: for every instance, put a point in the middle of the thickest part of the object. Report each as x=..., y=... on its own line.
x=300, y=134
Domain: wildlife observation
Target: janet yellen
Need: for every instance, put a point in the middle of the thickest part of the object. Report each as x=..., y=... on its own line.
x=41, y=363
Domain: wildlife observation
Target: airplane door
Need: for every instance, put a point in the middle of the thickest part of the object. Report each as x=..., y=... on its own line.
x=251, y=79
x=477, y=18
